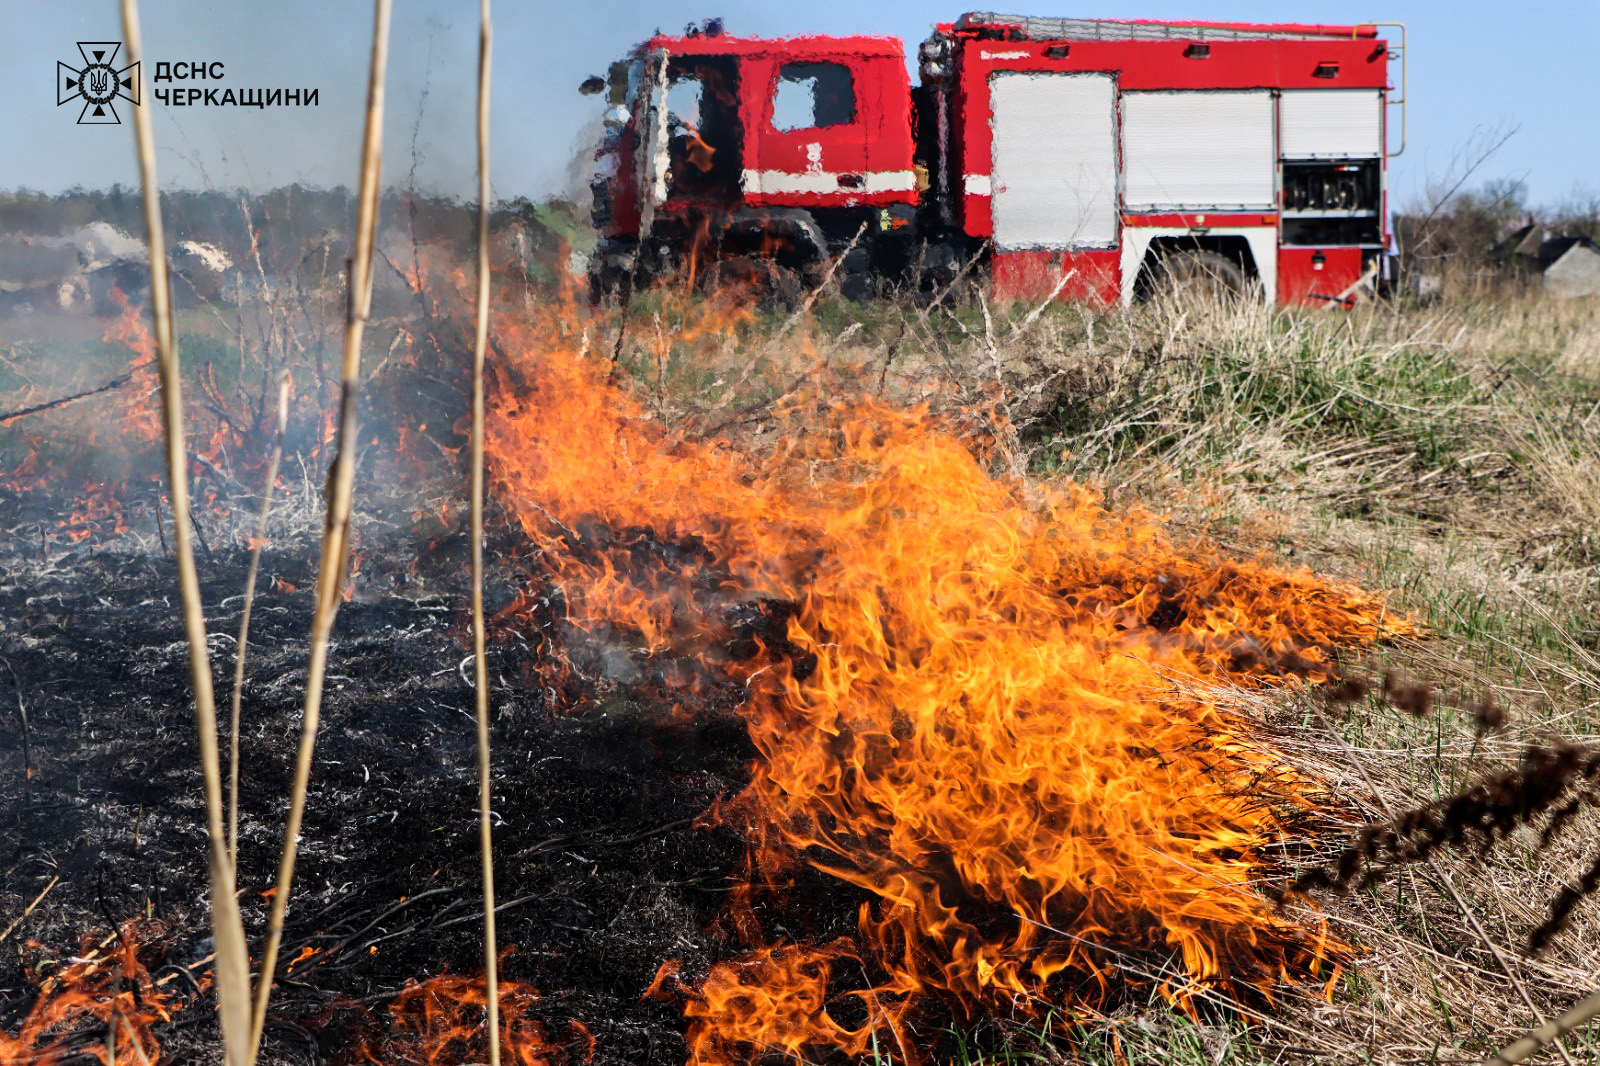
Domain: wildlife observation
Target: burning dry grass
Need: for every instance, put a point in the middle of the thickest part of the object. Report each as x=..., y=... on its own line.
x=1045, y=742
x=443, y=1022
x=97, y=1003
x=109, y=1000
x=961, y=690
x=1412, y=450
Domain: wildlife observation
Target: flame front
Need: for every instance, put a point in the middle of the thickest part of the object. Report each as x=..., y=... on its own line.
x=99, y=1003
x=978, y=707
x=968, y=696
x=141, y=418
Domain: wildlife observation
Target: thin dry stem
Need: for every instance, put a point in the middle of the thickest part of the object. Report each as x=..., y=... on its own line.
x=341, y=491
x=1538, y=1038
x=29, y=909
x=133, y=1040
x=232, y=965
x=244, y=621
x=491, y=975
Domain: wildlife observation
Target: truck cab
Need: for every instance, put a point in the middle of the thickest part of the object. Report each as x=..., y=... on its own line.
x=729, y=151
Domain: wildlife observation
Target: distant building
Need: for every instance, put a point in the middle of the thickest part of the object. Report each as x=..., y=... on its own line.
x=1566, y=266
x=1570, y=267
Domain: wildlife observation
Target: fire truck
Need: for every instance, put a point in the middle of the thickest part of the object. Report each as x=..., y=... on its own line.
x=1086, y=159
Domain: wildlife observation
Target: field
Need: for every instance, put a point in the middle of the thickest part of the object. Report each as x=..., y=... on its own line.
x=1445, y=453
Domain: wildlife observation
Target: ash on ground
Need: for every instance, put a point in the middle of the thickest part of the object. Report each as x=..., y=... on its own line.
x=603, y=874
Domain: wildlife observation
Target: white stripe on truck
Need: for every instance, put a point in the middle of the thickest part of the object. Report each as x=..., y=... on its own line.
x=778, y=182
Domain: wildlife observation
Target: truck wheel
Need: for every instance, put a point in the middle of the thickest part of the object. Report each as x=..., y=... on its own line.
x=770, y=283
x=855, y=277
x=1204, y=274
x=611, y=272
x=603, y=285
x=939, y=267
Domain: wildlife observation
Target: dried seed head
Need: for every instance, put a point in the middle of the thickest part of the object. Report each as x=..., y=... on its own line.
x=1543, y=786
x=1487, y=713
x=1347, y=690
x=1559, y=820
x=1563, y=905
x=1407, y=693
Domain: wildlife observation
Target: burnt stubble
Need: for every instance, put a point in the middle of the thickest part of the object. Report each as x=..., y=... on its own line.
x=605, y=871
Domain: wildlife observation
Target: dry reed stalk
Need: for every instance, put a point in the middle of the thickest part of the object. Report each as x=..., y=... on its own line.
x=340, y=492
x=491, y=972
x=133, y=1040
x=29, y=909
x=232, y=967
x=1526, y=1047
x=244, y=620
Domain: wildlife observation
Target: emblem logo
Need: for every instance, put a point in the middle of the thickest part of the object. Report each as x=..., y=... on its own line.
x=98, y=83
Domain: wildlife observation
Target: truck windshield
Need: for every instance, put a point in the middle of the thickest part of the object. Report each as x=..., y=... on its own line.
x=701, y=131
x=683, y=102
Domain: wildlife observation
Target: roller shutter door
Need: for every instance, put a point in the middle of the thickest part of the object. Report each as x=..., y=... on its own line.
x=1055, y=160
x=1184, y=150
x=1331, y=123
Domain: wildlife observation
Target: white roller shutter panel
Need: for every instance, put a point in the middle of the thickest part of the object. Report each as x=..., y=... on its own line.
x=1198, y=150
x=1055, y=160
x=1331, y=123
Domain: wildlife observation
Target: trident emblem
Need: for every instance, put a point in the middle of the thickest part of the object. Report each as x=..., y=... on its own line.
x=98, y=83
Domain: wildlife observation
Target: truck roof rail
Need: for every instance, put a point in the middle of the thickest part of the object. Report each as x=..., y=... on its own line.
x=1068, y=29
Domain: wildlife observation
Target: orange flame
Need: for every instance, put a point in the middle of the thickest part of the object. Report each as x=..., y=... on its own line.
x=94, y=1003
x=126, y=448
x=104, y=1002
x=141, y=419
x=440, y=1022
x=777, y=1000
x=975, y=701
x=306, y=954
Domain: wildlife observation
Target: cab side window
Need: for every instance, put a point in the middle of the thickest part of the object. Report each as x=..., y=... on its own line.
x=811, y=95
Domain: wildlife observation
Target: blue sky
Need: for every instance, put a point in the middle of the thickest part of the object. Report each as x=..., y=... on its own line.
x=1474, y=68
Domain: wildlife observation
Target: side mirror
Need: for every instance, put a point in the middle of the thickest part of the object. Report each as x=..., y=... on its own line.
x=593, y=85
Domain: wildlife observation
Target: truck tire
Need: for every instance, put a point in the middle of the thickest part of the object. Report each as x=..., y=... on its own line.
x=603, y=284
x=1205, y=274
x=855, y=277
x=770, y=283
x=611, y=271
x=937, y=266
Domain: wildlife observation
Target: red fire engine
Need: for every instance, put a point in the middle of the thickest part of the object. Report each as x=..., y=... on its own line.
x=1086, y=158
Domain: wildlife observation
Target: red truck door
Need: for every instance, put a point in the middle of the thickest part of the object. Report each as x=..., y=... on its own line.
x=827, y=130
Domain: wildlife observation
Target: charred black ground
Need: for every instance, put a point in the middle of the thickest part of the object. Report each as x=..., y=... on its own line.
x=603, y=874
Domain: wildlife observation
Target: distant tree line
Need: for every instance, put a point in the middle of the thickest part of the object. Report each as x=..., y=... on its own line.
x=1476, y=230
x=286, y=223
